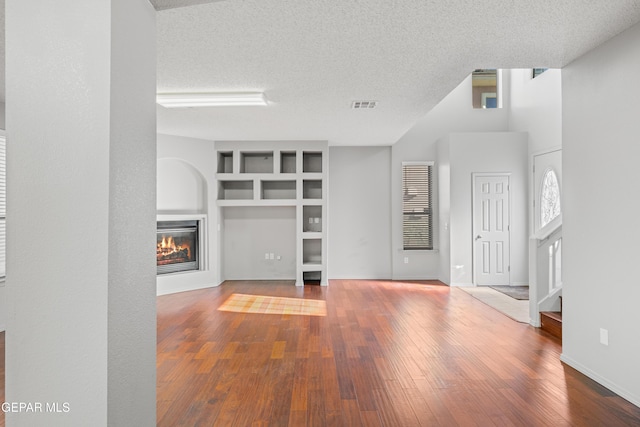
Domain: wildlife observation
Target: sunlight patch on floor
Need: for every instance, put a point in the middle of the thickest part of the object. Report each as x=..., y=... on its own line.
x=261, y=304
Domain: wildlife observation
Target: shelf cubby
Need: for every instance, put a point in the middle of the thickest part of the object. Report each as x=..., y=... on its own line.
x=312, y=251
x=312, y=277
x=256, y=162
x=225, y=162
x=235, y=190
x=312, y=219
x=312, y=189
x=278, y=190
x=288, y=162
x=312, y=162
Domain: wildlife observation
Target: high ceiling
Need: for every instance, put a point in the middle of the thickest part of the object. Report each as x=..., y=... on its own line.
x=312, y=58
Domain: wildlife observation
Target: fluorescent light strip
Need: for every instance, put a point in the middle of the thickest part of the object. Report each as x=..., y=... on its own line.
x=184, y=100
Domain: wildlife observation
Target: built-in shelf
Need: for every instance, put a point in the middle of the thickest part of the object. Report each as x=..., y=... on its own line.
x=280, y=173
x=275, y=190
x=256, y=162
x=235, y=190
x=312, y=251
x=312, y=218
x=225, y=162
x=288, y=162
x=312, y=189
x=312, y=162
x=312, y=277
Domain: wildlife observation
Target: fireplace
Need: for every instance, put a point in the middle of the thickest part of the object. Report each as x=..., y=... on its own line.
x=178, y=246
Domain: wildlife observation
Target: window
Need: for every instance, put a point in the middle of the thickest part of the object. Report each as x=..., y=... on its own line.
x=3, y=206
x=549, y=198
x=537, y=71
x=417, y=216
x=485, y=87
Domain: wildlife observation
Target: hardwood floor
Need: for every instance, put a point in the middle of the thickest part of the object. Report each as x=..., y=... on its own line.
x=386, y=354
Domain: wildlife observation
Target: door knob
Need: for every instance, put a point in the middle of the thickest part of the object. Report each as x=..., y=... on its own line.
x=478, y=237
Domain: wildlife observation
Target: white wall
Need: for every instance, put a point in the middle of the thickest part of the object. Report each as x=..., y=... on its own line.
x=186, y=181
x=601, y=107
x=487, y=152
x=2, y=116
x=3, y=305
x=249, y=233
x=81, y=185
x=536, y=107
x=359, y=213
x=453, y=114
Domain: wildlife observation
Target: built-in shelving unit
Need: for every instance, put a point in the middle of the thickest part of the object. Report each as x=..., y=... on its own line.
x=287, y=162
x=274, y=190
x=225, y=162
x=235, y=190
x=281, y=173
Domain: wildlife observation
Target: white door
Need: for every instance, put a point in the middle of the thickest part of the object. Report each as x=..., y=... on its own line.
x=491, y=229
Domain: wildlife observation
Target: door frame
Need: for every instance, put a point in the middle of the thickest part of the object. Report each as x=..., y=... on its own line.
x=474, y=175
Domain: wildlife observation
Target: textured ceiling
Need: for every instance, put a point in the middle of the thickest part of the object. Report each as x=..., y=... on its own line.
x=312, y=58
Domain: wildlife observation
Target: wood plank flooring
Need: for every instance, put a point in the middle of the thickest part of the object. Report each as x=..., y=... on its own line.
x=386, y=354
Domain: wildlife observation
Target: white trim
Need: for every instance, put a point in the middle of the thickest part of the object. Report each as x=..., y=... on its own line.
x=428, y=163
x=548, y=229
x=620, y=391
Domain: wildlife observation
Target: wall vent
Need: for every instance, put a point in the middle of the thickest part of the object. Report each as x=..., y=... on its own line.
x=364, y=105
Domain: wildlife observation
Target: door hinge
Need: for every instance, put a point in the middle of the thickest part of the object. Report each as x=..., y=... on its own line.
x=509, y=269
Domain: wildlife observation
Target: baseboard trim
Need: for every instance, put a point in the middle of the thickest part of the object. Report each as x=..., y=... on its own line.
x=413, y=278
x=620, y=391
x=175, y=290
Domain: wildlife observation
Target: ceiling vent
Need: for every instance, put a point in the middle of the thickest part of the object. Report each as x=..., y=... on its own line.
x=364, y=105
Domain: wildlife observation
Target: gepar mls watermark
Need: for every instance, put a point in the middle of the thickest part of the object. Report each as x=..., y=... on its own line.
x=36, y=407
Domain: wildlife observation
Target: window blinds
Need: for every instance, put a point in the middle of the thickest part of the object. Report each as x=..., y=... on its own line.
x=417, y=232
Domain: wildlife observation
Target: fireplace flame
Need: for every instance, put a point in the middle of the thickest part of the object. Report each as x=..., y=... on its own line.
x=167, y=247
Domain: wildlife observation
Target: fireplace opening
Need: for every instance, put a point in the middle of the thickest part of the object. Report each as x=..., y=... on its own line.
x=177, y=246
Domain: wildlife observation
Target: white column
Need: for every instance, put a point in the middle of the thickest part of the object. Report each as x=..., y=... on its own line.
x=81, y=187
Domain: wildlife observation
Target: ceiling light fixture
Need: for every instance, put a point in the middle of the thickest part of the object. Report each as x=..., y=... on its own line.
x=184, y=100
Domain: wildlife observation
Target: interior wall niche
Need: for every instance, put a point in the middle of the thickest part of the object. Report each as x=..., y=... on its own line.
x=181, y=188
x=251, y=235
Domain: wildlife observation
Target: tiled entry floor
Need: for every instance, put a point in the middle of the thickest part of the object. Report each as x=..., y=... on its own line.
x=518, y=310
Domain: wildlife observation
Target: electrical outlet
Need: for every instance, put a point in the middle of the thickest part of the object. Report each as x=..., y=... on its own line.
x=271, y=255
x=317, y=220
x=604, y=336
x=266, y=255
x=278, y=257
x=310, y=220
x=406, y=260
